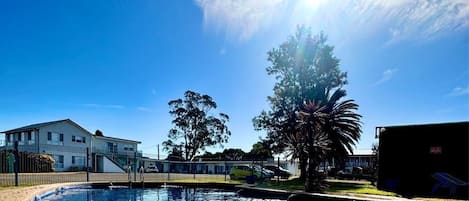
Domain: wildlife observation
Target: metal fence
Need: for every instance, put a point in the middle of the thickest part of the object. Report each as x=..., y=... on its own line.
x=28, y=168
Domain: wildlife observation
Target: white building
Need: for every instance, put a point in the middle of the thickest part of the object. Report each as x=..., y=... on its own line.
x=66, y=142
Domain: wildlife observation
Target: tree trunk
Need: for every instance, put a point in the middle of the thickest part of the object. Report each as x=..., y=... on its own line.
x=312, y=183
x=303, y=163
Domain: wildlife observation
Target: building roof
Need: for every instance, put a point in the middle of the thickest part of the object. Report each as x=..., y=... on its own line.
x=424, y=124
x=362, y=152
x=40, y=125
x=117, y=139
x=36, y=126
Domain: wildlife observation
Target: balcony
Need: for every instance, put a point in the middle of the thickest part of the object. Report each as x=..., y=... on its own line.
x=116, y=152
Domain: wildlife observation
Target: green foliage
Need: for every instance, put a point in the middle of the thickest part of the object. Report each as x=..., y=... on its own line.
x=194, y=127
x=28, y=162
x=98, y=133
x=175, y=154
x=307, y=118
x=260, y=151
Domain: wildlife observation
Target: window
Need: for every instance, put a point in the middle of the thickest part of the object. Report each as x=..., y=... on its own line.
x=21, y=138
x=112, y=147
x=55, y=138
x=30, y=137
x=59, y=161
x=128, y=147
x=8, y=137
x=78, y=139
x=78, y=161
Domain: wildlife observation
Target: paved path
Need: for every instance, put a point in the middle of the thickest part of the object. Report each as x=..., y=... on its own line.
x=28, y=193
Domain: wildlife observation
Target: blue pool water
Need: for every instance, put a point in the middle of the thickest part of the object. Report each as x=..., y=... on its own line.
x=153, y=194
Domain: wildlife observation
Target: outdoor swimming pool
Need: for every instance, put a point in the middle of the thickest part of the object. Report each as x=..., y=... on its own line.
x=153, y=194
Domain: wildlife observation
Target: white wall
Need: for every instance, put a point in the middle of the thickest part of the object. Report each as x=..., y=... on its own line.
x=109, y=166
x=69, y=148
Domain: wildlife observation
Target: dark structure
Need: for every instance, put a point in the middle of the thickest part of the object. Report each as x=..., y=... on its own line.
x=409, y=155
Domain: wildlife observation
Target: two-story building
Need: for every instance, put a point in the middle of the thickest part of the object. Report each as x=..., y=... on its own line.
x=66, y=142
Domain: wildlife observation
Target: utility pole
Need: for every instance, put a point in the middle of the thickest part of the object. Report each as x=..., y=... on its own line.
x=158, y=146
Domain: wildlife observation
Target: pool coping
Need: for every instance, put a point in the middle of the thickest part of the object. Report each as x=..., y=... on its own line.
x=251, y=190
x=30, y=193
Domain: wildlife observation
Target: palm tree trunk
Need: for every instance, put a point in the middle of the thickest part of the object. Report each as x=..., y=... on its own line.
x=303, y=160
x=312, y=183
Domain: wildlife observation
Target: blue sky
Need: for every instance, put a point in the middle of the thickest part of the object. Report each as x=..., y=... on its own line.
x=114, y=65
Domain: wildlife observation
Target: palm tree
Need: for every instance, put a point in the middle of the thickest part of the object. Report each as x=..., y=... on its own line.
x=343, y=126
x=330, y=129
x=311, y=121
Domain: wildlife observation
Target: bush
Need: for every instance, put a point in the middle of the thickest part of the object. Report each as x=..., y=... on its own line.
x=28, y=162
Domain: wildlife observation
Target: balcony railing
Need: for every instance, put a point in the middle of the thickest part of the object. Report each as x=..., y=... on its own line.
x=118, y=152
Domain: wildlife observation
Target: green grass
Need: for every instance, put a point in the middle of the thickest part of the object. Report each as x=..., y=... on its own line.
x=288, y=185
x=205, y=180
x=334, y=187
x=344, y=188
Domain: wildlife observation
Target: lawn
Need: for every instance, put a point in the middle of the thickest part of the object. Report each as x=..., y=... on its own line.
x=333, y=187
x=205, y=180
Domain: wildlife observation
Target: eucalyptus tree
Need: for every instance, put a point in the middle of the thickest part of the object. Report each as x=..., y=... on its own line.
x=195, y=128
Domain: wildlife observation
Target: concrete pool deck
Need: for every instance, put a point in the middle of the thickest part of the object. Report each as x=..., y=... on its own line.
x=28, y=193
x=250, y=190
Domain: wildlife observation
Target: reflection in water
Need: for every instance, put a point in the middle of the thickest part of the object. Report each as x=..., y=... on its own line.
x=155, y=194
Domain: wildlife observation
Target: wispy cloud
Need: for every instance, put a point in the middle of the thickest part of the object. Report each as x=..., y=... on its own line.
x=402, y=19
x=459, y=91
x=386, y=76
x=143, y=109
x=238, y=18
x=94, y=105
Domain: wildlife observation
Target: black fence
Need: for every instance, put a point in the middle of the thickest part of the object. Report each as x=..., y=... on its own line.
x=29, y=168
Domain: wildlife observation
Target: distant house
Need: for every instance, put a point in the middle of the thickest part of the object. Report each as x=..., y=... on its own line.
x=361, y=158
x=410, y=154
x=66, y=142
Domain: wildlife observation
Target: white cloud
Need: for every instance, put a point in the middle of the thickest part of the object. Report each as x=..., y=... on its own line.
x=143, y=109
x=459, y=91
x=402, y=19
x=387, y=75
x=94, y=105
x=238, y=18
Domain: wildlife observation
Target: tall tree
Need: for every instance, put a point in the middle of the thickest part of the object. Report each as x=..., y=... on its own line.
x=234, y=154
x=261, y=150
x=194, y=127
x=301, y=118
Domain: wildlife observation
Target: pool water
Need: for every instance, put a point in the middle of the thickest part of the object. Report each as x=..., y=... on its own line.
x=153, y=194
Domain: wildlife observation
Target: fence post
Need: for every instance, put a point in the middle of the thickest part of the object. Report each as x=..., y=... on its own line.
x=169, y=168
x=262, y=172
x=87, y=164
x=192, y=169
x=277, y=170
x=135, y=166
x=16, y=153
